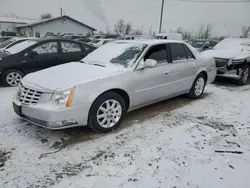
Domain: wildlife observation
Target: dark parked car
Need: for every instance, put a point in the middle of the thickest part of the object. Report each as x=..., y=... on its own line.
x=202, y=44
x=37, y=54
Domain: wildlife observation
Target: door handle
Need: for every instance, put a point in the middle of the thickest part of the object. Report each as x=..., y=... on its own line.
x=24, y=61
x=194, y=67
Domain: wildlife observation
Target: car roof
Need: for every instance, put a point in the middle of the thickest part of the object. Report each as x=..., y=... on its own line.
x=149, y=42
x=53, y=38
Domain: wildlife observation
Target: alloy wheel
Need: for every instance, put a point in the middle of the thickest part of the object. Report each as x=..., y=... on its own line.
x=109, y=113
x=13, y=78
x=199, y=86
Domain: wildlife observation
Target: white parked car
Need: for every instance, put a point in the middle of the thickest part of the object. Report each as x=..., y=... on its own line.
x=232, y=55
x=115, y=78
x=99, y=42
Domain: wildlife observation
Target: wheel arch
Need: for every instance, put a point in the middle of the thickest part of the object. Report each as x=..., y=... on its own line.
x=9, y=68
x=120, y=92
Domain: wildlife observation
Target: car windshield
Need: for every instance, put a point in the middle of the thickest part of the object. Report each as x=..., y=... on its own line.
x=115, y=53
x=196, y=43
x=6, y=43
x=21, y=46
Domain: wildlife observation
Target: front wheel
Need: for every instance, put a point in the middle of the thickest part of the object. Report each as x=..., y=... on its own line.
x=244, y=74
x=107, y=112
x=11, y=77
x=198, y=87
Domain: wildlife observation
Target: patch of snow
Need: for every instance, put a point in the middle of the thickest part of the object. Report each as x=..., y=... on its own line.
x=171, y=148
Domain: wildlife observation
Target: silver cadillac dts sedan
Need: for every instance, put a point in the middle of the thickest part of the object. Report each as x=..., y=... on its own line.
x=116, y=78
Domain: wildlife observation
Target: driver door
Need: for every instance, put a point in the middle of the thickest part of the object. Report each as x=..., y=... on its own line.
x=150, y=83
x=43, y=56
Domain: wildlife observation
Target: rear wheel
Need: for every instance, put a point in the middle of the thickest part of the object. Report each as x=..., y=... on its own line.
x=107, y=112
x=244, y=74
x=198, y=87
x=11, y=77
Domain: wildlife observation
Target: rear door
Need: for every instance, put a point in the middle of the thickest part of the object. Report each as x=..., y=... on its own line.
x=46, y=56
x=181, y=69
x=71, y=51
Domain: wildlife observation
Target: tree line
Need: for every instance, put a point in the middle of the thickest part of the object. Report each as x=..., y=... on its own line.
x=204, y=31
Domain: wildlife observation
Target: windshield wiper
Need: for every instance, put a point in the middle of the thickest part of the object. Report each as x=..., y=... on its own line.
x=98, y=65
x=92, y=64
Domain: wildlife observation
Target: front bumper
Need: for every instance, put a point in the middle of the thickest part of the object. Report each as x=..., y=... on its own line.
x=47, y=116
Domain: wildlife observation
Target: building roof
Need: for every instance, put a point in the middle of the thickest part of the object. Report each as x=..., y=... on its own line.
x=16, y=20
x=53, y=19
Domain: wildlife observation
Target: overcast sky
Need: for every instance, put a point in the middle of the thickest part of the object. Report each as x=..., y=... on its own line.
x=226, y=18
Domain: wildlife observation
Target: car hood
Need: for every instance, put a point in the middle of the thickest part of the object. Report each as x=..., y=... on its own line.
x=68, y=75
x=227, y=54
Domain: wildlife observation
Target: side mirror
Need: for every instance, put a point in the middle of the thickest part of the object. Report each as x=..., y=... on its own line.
x=33, y=54
x=150, y=63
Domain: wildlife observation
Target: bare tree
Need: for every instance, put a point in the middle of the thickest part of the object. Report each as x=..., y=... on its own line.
x=204, y=31
x=128, y=28
x=137, y=32
x=46, y=16
x=208, y=31
x=245, y=30
x=119, y=27
x=200, y=31
x=185, y=33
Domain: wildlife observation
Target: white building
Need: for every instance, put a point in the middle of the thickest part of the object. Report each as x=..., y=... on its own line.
x=63, y=24
x=10, y=24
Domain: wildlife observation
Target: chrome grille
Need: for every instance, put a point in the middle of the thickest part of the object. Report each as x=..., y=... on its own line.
x=28, y=96
x=221, y=62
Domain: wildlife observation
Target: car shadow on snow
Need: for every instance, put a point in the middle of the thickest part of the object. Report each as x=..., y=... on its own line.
x=76, y=135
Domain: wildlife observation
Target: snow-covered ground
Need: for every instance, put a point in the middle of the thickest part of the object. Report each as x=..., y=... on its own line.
x=170, y=144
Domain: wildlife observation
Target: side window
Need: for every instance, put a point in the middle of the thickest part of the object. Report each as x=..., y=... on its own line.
x=190, y=55
x=178, y=52
x=46, y=48
x=68, y=47
x=158, y=53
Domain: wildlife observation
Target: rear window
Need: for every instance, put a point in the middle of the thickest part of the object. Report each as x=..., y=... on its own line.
x=178, y=52
x=188, y=52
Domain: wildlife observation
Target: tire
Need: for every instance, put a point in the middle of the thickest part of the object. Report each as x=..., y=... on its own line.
x=244, y=75
x=13, y=74
x=198, y=87
x=107, y=120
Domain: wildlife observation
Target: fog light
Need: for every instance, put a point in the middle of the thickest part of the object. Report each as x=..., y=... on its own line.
x=64, y=123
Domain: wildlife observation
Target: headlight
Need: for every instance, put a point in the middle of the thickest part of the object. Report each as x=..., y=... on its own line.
x=63, y=98
x=0, y=58
x=238, y=61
